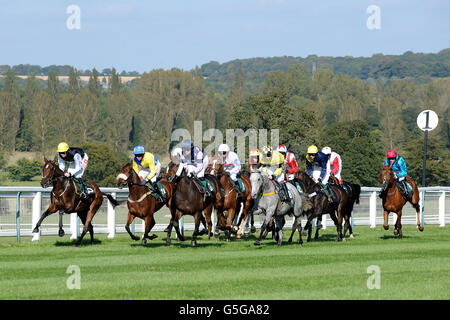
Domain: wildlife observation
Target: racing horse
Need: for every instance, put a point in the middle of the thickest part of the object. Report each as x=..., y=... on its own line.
x=231, y=202
x=65, y=199
x=393, y=200
x=140, y=201
x=353, y=190
x=270, y=204
x=188, y=199
x=321, y=205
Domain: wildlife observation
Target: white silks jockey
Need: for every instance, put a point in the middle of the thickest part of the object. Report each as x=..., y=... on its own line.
x=334, y=165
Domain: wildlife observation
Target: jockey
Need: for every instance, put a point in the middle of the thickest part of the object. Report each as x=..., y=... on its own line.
x=194, y=161
x=254, y=159
x=335, y=163
x=78, y=160
x=147, y=167
x=273, y=164
x=399, y=167
x=316, y=165
x=289, y=162
x=232, y=166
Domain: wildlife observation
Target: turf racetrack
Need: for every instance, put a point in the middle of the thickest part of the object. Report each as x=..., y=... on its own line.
x=417, y=267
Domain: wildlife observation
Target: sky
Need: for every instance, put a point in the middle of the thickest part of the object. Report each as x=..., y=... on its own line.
x=141, y=35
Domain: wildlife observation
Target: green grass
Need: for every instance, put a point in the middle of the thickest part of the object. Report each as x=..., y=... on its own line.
x=416, y=267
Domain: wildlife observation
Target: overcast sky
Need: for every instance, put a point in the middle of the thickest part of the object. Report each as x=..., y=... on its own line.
x=143, y=35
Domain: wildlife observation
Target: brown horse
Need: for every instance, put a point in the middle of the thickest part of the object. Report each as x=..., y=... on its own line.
x=140, y=201
x=393, y=201
x=188, y=199
x=353, y=191
x=65, y=199
x=321, y=205
x=232, y=204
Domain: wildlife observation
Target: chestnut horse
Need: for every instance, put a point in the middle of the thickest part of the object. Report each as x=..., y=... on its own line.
x=140, y=201
x=232, y=204
x=393, y=200
x=65, y=199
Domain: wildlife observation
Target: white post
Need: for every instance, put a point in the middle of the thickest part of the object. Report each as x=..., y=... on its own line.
x=213, y=220
x=35, y=215
x=111, y=216
x=373, y=209
x=324, y=221
x=73, y=225
x=442, y=209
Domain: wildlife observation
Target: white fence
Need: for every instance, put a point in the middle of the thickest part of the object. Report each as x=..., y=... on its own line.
x=21, y=208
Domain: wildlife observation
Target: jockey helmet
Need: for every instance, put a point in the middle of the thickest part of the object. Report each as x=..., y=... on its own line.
x=326, y=150
x=267, y=151
x=391, y=154
x=312, y=149
x=282, y=148
x=187, y=145
x=224, y=148
x=176, y=152
x=138, y=150
x=254, y=152
x=63, y=147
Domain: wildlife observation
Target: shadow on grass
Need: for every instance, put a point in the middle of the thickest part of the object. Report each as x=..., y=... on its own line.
x=388, y=237
x=84, y=242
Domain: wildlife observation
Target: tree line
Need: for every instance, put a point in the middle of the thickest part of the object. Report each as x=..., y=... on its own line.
x=358, y=120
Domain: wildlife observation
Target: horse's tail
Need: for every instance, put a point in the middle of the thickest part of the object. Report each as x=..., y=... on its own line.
x=357, y=188
x=111, y=199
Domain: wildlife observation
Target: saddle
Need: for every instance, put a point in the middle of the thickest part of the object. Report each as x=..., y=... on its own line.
x=154, y=193
x=82, y=186
x=203, y=185
x=329, y=192
x=406, y=192
x=283, y=191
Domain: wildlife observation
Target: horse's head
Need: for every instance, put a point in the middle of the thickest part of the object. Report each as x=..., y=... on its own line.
x=217, y=168
x=172, y=170
x=127, y=175
x=49, y=171
x=257, y=182
x=386, y=177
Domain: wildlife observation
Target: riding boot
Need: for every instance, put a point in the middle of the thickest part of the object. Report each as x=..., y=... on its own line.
x=334, y=198
x=285, y=191
x=238, y=190
x=158, y=192
x=405, y=188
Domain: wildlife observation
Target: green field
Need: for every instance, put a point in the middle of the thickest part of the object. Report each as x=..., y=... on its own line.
x=417, y=267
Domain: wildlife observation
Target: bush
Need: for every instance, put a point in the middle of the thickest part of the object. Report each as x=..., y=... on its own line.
x=25, y=170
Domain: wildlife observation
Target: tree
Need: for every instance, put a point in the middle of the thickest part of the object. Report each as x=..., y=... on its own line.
x=41, y=121
x=74, y=82
x=392, y=123
x=114, y=82
x=94, y=83
x=53, y=87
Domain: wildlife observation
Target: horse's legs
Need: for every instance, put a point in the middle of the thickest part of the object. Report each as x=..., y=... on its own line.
x=398, y=225
x=339, y=236
x=51, y=209
x=231, y=213
x=264, y=230
x=197, y=224
x=127, y=226
x=61, y=230
x=417, y=207
x=279, y=229
x=149, y=223
x=208, y=213
x=385, y=224
x=176, y=224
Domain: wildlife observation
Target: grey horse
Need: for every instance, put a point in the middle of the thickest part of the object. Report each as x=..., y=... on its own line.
x=270, y=205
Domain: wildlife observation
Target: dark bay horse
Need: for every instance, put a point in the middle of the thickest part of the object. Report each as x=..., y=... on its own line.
x=231, y=203
x=321, y=205
x=188, y=199
x=393, y=201
x=65, y=199
x=353, y=191
x=140, y=201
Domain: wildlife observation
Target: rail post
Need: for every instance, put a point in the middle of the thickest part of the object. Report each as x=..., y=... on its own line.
x=36, y=211
x=373, y=209
x=442, y=209
x=18, y=216
x=111, y=215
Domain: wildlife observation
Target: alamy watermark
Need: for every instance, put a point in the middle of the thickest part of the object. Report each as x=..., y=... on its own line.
x=73, y=22
x=236, y=139
x=373, y=22
x=374, y=280
x=74, y=280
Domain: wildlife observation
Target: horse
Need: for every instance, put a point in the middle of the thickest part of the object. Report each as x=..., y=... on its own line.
x=270, y=204
x=140, y=202
x=393, y=200
x=353, y=191
x=65, y=199
x=231, y=202
x=321, y=205
x=188, y=199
